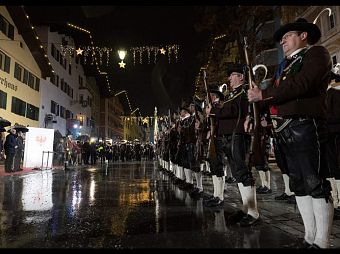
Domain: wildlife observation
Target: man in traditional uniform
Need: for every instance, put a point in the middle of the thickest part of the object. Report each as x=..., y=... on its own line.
x=234, y=143
x=300, y=96
x=215, y=160
x=196, y=112
x=333, y=144
x=187, y=144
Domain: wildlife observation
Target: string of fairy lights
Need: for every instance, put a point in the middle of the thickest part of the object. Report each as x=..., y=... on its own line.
x=199, y=75
x=37, y=37
x=71, y=50
x=141, y=55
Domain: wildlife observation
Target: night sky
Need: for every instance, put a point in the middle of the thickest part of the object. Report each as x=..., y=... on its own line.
x=148, y=85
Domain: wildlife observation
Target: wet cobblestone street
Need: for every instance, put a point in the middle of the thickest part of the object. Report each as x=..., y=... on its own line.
x=134, y=205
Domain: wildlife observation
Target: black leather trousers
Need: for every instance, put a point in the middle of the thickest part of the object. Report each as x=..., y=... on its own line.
x=235, y=148
x=303, y=143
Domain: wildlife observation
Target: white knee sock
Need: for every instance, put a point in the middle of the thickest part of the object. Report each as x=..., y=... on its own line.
x=188, y=175
x=268, y=178
x=181, y=173
x=263, y=178
x=286, y=182
x=337, y=183
x=207, y=166
x=243, y=196
x=248, y=195
x=220, y=189
x=214, y=179
x=305, y=205
x=171, y=168
x=323, y=213
x=334, y=191
x=202, y=165
x=199, y=180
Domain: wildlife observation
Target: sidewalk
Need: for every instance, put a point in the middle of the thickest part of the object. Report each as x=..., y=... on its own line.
x=278, y=214
x=24, y=171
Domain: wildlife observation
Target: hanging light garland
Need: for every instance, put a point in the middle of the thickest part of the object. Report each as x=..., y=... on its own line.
x=92, y=52
x=198, y=77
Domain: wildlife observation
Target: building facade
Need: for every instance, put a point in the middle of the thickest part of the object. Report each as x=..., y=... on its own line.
x=66, y=99
x=23, y=68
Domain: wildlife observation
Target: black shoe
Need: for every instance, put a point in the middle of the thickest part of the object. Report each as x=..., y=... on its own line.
x=264, y=190
x=306, y=245
x=214, y=202
x=336, y=215
x=283, y=196
x=314, y=246
x=235, y=217
x=291, y=199
x=230, y=180
x=259, y=189
x=248, y=221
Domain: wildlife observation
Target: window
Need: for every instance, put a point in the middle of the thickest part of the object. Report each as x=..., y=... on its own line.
x=3, y=99
x=62, y=84
x=62, y=112
x=18, y=106
x=6, y=27
x=18, y=72
x=334, y=60
x=81, y=120
x=68, y=114
x=32, y=112
x=331, y=21
x=23, y=75
x=5, y=62
x=53, y=50
x=70, y=69
x=37, y=84
x=54, y=108
x=31, y=80
x=80, y=81
x=25, y=79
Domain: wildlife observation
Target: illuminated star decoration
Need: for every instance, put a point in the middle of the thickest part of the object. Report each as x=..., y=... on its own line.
x=145, y=120
x=162, y=51
x=122, y=64
x=79, y=51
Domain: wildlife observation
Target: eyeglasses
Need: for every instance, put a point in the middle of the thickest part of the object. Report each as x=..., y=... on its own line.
x=289, y=34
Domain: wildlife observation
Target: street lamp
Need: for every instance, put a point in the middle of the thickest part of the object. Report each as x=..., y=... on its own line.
x=122, y=54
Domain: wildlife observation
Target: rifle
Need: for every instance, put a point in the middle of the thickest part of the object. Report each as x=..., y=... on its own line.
x=255, y=153
x=211, y=154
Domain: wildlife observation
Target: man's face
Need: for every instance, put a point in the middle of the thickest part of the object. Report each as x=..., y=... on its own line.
x=214, y=97
x=235, y=79
x=192, y=108
x=292, y=41
x=183, y=113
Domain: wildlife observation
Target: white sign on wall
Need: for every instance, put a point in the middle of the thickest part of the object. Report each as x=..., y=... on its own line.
x=37, y=141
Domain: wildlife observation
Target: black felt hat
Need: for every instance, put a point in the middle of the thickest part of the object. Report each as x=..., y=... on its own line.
x=215, y=89
x=301, y=25
x=185, y=106
x=239, y=68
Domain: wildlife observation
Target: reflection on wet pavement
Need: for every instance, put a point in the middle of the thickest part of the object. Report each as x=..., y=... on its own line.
x=124, y=205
